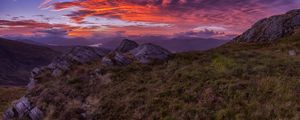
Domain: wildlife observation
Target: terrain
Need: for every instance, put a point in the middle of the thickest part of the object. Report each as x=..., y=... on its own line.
x=255, y=78
x=17, y=59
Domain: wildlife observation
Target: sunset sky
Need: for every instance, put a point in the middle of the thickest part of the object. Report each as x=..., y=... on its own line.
x=90, y=18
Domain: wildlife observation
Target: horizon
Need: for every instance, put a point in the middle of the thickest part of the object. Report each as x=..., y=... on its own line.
x=103, y=20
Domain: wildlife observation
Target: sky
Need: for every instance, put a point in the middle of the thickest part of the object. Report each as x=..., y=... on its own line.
x=89, y=19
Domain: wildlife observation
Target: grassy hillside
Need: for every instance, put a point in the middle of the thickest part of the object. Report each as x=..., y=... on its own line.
x=17, y=59
x=9, y=94
x=235, y=81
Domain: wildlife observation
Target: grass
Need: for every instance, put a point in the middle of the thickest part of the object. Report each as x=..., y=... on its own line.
x=9, y=94
x=235, y=81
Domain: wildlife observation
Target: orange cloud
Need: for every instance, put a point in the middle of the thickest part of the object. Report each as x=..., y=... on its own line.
x=236, y=15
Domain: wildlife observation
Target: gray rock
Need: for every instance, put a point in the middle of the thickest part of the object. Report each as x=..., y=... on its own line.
x=292, y=53
x=126, y=45
x=22, y=109
x=121, y=59
x=115, y=58
x=9, y=114
x=106, y=61
x=273, y=28
x=35, y=114
x=146, y=53
x=31, y=83
x=78, y=55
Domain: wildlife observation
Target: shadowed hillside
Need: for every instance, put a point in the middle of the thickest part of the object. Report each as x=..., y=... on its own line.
x=17, y=59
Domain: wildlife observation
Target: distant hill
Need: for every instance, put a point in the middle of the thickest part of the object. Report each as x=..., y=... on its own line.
x=183, y=44
x=17, y=59
x=59, y=48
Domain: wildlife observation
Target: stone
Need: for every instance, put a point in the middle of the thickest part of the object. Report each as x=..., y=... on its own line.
x=8, y=114
x=148, y=52
x=126, y=45
x=121, y=59
x=78, y=55
x=292, y=53
x=31, y=83
x=22, y=107
x=115, y=58
x=35, y=114
x=23, y=110
x=106, y=61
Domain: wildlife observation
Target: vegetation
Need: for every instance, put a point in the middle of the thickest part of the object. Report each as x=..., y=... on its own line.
x=9, y=94
x=235, y=81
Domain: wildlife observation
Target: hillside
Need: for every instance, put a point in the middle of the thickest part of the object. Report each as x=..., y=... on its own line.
x=240, y=80
x=17, y=59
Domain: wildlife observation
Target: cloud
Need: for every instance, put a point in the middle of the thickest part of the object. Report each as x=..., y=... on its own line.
x=206, y=33
x=237, y=15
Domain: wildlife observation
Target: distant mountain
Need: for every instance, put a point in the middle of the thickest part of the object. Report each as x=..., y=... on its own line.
x=272, y=28
x=17, y=59
x=183, y=44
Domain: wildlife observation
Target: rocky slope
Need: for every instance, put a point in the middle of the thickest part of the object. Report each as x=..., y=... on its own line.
x=273, y=28
x=17, y=59
x=128, y=52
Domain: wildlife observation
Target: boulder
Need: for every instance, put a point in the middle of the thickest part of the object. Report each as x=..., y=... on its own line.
x=292, y=52
x=126, y=45
x=106, y=61
x=116, y=58
x=36, y=114
x=78, y=55
x=22, y=109
x=273, y=28
x=148, y=52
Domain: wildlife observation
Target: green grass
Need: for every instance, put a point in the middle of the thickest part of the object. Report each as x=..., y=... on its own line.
x=235, y=81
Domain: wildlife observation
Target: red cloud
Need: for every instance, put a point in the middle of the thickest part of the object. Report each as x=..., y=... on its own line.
x=236, y=15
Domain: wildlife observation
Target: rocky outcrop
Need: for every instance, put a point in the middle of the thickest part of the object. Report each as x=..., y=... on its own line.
x=126, y=45
x=23, y=109
x=78, y=55
x=148, y=52
x=129, y=51
x=116, y=58
x=273, y=28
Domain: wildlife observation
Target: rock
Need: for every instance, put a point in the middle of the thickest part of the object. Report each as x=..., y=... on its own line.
x=292, y=53
x=146, y=53
x=22, y=109
x=115, y=58
x=35, y=114
x=8, y=114
x=34, y=74
x=31, y=83
x=121, y=59
x=126, y=45
x=106, y=61
x=78, y=55
x=273, y=28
